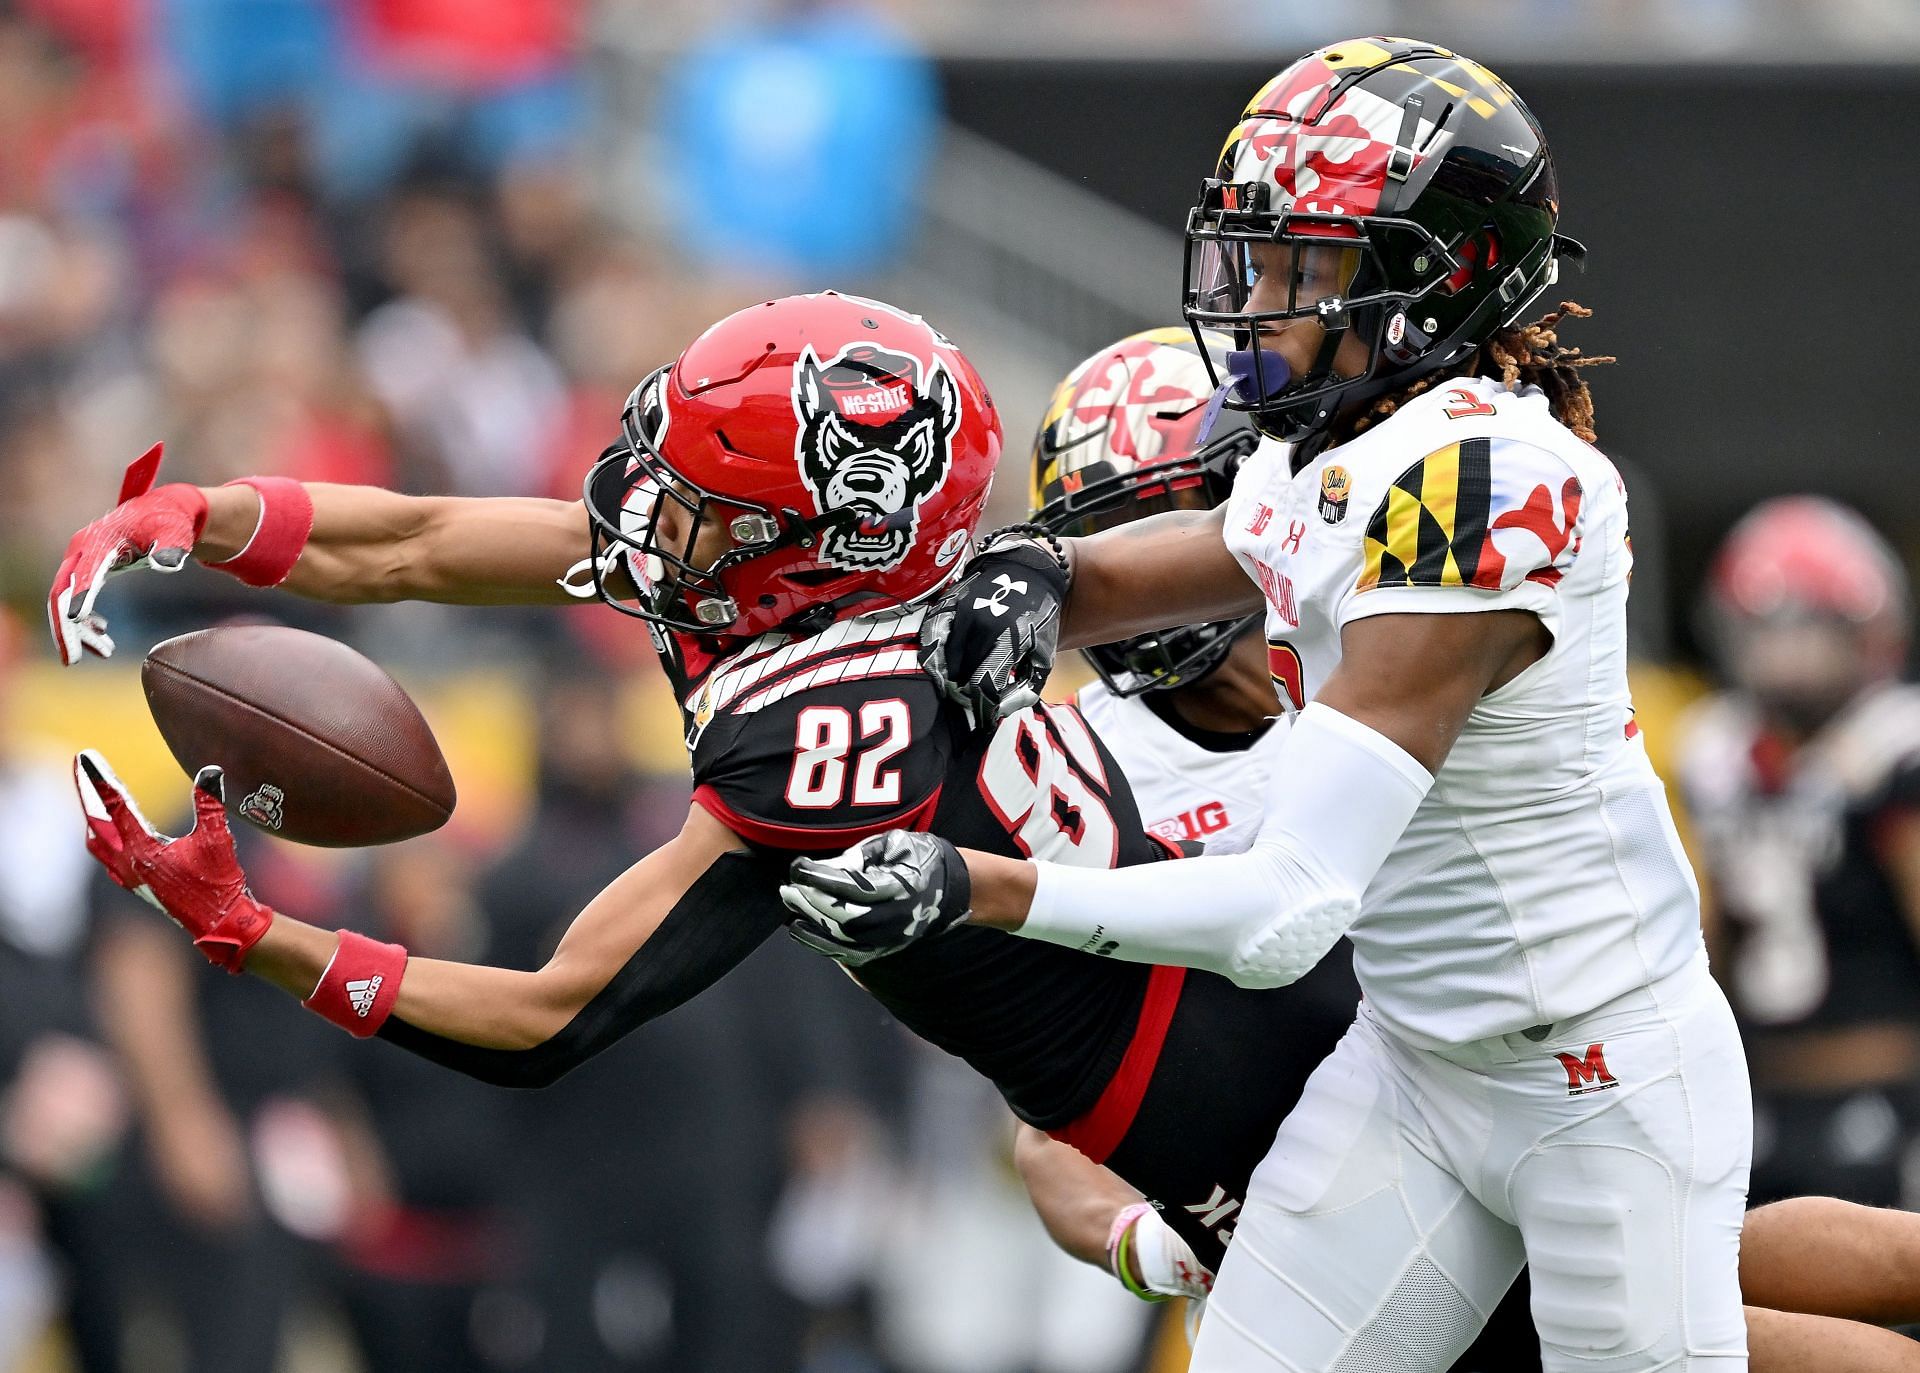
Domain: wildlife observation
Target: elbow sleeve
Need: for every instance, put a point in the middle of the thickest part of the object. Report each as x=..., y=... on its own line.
x=724, y=916
x=1339, y=797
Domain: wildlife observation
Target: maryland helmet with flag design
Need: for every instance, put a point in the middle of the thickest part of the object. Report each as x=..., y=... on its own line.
x=1126, y=435
x=1417, y=201
x=843, y=447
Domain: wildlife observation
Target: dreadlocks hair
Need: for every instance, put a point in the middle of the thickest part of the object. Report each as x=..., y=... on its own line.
x=1524, y=355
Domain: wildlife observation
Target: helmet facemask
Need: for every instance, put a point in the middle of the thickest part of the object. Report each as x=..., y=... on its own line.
x=1387, y=267
x=626, y=492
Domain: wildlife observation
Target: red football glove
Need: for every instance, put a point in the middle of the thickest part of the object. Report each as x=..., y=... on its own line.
x=195, y=879
x=157, y=528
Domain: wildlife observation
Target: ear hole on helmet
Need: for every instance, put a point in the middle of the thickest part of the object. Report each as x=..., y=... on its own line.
x=1479, y=251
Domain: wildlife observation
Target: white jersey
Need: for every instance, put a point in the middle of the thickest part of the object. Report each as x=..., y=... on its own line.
x=1542, y=875
x=1183, y=791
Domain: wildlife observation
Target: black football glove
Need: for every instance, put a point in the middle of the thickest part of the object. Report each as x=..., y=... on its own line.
x=989, y=640
x=879, y=896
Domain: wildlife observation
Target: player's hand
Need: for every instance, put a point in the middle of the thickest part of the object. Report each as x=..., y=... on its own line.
x=1152, y=1261
x=989, y=640
x=196, y=878
x=879, y=896
x=150, y=527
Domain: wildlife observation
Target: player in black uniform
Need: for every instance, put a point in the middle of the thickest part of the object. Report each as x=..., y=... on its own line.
x=1803, y=784
x=783, y=499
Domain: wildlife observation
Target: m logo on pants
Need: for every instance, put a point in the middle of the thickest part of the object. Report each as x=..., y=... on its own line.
x=1587, y=1074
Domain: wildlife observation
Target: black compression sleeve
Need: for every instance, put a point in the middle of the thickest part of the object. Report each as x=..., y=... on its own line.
x=722, y=917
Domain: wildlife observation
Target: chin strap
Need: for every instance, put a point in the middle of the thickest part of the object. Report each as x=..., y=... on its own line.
x=594, y=569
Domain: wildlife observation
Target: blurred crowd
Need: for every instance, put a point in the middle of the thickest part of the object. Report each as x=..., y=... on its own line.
x=1494, y=30
x=392, y=278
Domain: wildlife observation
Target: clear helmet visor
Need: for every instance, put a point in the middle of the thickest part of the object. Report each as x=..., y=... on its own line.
x=1297, y=277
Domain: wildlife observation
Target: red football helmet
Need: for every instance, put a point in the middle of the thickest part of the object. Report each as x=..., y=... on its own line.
x=843, y=446
x=1808, y=604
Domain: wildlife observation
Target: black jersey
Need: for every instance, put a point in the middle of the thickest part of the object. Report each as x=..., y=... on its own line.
x=1817, y=934
x=809, y=744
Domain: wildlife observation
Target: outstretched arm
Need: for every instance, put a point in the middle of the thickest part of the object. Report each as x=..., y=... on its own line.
x=349, y=544
x=989, y=640
x=1828, y=1257
x=373, y=545
x=1348, y=778
x=1157, y=573
x=662, y=932
x=505, y=1008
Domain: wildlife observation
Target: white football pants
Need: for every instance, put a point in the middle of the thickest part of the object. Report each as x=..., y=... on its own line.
x=1401, y=1197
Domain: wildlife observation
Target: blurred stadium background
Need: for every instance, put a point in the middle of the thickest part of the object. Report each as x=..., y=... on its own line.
x=431, y=244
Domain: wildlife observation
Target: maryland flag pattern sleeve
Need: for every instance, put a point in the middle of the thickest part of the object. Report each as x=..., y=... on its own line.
x=1482, y=524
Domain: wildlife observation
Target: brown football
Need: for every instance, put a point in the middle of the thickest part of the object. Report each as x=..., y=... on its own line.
x=319, y=745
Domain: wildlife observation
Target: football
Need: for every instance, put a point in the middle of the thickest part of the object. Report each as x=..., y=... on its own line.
x=319, y=745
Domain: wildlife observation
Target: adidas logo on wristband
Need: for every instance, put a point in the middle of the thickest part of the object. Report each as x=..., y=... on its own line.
x=362, y=993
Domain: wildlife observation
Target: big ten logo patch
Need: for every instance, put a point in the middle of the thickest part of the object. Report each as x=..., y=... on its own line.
x=1195, y=824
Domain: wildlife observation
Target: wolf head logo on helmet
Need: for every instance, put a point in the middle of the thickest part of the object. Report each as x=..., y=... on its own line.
x=804, y=460
x=875, y=438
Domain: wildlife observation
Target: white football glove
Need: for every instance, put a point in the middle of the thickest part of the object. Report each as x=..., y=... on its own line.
x=1165, y=1262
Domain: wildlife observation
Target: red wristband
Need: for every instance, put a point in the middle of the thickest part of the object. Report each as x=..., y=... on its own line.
x=360, y=985
x=286, y=520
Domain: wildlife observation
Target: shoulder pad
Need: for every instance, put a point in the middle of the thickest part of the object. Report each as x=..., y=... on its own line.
x=1484, y=512
x=775, y=666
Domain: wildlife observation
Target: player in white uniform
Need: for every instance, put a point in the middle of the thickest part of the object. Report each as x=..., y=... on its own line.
x=1187, y=707
x=1193, y=719
x=1542, y=1069
x=1195, y=785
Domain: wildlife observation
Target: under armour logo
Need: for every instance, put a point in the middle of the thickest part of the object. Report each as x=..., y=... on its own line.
x=361, y=994
x=923, y=916
x=997, y=602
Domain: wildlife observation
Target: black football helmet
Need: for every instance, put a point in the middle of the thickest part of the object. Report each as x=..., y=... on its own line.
x=1122, y=439
x=1431, y=179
